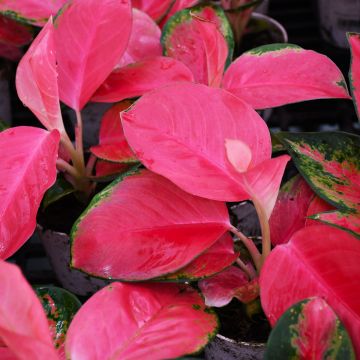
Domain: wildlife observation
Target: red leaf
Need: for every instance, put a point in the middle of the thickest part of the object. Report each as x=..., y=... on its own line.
x=131, y=321
x=144, y=40
x=139, y=78
x=279, y=74
x=173, y=229
x=233, y=282
x=154, y=8
x=23, y=324
x=10, y=52
x=13, y=33
x=34, y=12
x=318, y=261
x=112, y=143
x=317, y=205
x=290, y=210
x=28, y=169
x=36, y=80
x=215, y=259
x=177, y=6
x=354, y=75
x=7, y=354
x=187, y=145
x=105, y=169
x=90, y=39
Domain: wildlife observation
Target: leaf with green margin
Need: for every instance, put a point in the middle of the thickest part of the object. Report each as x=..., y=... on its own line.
x=60, y=189
x=354, y=73
x=330, y=163
x=180, y=24
x=309, y=329
x=60, y=307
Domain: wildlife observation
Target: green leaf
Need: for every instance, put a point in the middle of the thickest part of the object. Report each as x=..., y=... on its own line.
x=60, y=189
x=309, y=329
x=60, y=307
x=330, y=163
x=3, y=125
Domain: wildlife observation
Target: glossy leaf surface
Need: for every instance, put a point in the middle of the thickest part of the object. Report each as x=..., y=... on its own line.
x=309, y=330
x=112, y=143
x=144, y=319
x=215, y=259
x=144, y=39
x=290, y=210
x=13, y=33
x=28, y=169
x=188, y=41
x=36, y=80
x=221, y=288
x=279, y=74
x=354, y=75
x=186, y=144
x=318, y=261
x=34, y=12
x=137, y=79
x=173, y=229
x=331, y=165
x=23, y=325
x=98, y=33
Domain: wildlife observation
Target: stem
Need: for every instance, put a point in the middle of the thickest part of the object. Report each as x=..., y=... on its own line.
x=79, y=139
x=265, y=230
x=254, y=252
x=66, y=167
x=90, y=165
x=244, y=268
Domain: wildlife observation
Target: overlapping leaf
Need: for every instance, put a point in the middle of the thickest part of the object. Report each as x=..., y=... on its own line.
x=142, y=226
x=13, y=33
x=90, y=39
x=190, y=42
x=23, y=325
x=28, y=169
x=34, y=12
x=36, y=80
x=136, y=79
x=321, y=261
x=112, y=143
x=279, y=74
x=309, y=329
x=215, y=259
x=154, y=8
x=331, y=165
x=354, y=75
x=187, y=143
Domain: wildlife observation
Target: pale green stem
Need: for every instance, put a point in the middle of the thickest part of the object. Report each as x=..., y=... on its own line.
x=79, y=139
x=244, y=268
x=66, y=167
x=265, y=230
x=254, y=252
x=90, y=165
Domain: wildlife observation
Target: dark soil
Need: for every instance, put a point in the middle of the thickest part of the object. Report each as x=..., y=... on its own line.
x=237, y=325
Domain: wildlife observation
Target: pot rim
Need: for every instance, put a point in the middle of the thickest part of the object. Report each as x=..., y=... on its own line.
x=242, y=343
x=273, y=22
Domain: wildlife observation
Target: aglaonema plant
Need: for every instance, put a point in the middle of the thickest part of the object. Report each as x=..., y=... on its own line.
x=202, y=143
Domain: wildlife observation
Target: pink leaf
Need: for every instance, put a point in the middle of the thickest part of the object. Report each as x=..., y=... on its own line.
x=112, y=143
x=290, y=210
x=279, y=74
x=23, y=324
x=90, y=39
x=154, y=8
x=177, y=6
x=13, y=33
x=173, y=229
x=354, y=76
x=317, y=205
x=215, y=259
x=36, y=80
x=132, y=321
x=7, y=354
x=28, y=169
x=233, y=282
x=32, y=11
x=137, y=79
x=216, y=50
x=144, y=40
x=186, y=143
x=318, y=261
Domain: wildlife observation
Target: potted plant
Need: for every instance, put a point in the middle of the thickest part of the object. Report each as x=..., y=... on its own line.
x=202, y=145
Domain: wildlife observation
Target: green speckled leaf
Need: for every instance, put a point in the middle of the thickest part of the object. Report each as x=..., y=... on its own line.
x=60, y=307
x=60, y=189
x=330, y=163
x=179, y=38
x=354, y=74
x=309, y=330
